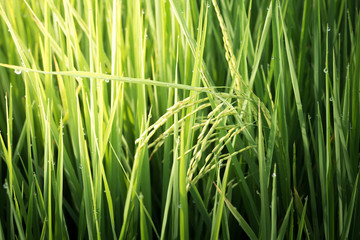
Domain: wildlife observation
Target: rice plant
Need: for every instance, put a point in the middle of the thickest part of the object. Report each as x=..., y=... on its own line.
x=179, y=119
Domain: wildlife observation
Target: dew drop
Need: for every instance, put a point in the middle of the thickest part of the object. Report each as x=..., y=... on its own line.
x=17, y=71
x=328, y=29
x=325, y=70
x=331, y=99
x=80, y=166
x=179, y=206
x=5, y=185
x=274, y=175
x=107, y=80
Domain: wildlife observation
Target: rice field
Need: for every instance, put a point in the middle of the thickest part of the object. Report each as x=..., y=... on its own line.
x=179, y=119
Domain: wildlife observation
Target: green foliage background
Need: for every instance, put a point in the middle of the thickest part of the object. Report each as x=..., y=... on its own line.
x=179, y=119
